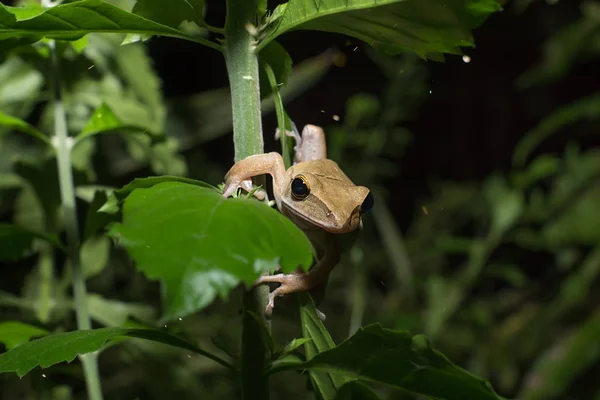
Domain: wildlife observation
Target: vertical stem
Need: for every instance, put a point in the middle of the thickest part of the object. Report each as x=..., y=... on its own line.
x=63, y=145
x=242, y=69
x=279, y=110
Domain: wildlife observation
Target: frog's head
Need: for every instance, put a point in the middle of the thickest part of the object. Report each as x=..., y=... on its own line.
x=318, y=193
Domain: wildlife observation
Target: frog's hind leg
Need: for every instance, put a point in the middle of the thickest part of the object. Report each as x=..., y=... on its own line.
x=289, y=283
x=308, y=146
x=299, y=281
x=313, y=145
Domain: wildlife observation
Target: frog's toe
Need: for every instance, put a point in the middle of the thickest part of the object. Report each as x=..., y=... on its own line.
x=246, y=184
x=293, y=134
x=269, y=279
x=229, y=189
x=270, y=306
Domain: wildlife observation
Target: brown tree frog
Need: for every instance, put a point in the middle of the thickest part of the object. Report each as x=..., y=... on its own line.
x=316, y=195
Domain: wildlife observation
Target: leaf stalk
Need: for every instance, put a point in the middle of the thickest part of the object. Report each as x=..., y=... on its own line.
x=63, y=145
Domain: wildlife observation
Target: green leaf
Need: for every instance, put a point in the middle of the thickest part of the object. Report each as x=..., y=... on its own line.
x=586, y=108
x=20, y=85
x=426, y=27
x=511, y=273
x=201, y=245
x=96, y=220
x=286, y=362
x=356, y=390
x=61, y=347
x=95, y=253
x=88, y=193
x=17, y=242
x=117, y=313
x=136, y=67
x=123, y=78
x=443, y=298
x=22, y=126
x=104, y=120
x=29, y=211
x=326, y=383
x=578, y=224
x=506, y=204
x=171, y=13
x=283, y=120
x=408, y=362
x=9, y=181
x=14, y=333
x=164, y=157
x=567, y=47
x=564, y=363
x=280, y=61
x=574, y=291
x=115, y=199
x=82, y=158
x=294, y=344
x=541, y=167
x=39, y=290
x=42, y=179
x=579, y=172
x=79, y=45
x=71, y=21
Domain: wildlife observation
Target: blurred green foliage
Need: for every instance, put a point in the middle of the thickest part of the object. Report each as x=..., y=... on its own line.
x=462, y=273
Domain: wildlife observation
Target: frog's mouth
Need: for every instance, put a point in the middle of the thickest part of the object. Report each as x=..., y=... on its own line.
x=306, y=222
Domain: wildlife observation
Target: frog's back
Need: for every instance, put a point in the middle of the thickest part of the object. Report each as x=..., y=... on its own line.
x=325, y=170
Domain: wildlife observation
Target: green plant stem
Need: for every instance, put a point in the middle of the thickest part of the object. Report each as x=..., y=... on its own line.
x=395, y=247
x=280, y=111
x=242, y=69
x=63, y=144
x=479, y=255
x=46, y=269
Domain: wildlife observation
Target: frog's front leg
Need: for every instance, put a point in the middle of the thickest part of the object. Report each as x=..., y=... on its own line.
x=260, y=164
x=300, y=281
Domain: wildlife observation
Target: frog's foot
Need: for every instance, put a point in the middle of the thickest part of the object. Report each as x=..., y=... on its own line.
x=293, y=134
x=231, y=186
x=290, y=283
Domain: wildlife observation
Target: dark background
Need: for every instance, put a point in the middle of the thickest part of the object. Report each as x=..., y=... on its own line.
x=466, y=129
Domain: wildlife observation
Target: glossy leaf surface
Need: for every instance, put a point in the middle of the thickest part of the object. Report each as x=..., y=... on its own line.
x=399, y=359
x=61, y=347
x=426, y=27
x=201, y=245
x=71, y=21
x=14, y=333
x=16, y=242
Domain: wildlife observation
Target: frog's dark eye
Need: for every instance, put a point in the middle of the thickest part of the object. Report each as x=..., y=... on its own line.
x=367, y=204
x=300, y=188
